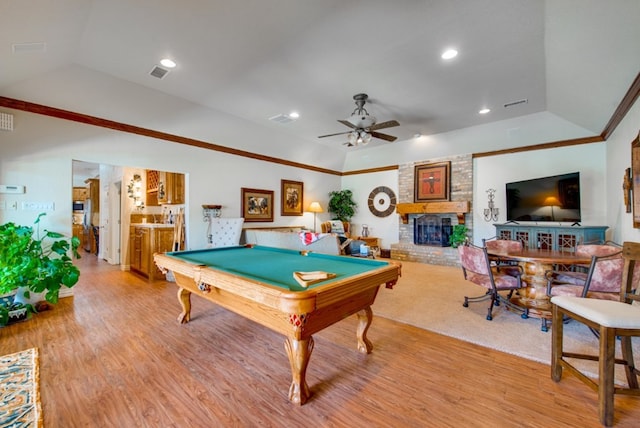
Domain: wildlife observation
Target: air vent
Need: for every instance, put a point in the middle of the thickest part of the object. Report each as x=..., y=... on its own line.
x=515, y=103
x=18, y=48
x=6, y=122
x=281, y=118
x=159, y=72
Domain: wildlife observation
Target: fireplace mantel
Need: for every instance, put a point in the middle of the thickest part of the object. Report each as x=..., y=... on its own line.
x=459, y=208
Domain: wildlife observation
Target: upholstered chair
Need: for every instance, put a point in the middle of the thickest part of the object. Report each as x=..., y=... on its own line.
x=602, y=280
x=224, y=232
x=495, y=245
x=477, y=269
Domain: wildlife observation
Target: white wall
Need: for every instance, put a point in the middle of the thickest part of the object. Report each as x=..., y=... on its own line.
x=618, y=159
x=493, y=172
x=39, y=153
x=385, y=228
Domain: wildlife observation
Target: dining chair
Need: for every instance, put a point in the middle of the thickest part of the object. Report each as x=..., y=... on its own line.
x=603, y=279
x=496, y=245
x=577, y=274
x=612, y=319
x=477, y=269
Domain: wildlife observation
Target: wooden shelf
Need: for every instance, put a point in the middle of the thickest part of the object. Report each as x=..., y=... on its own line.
x=459, y=208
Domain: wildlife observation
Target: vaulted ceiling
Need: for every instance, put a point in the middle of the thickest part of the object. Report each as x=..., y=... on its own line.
x=256, y=59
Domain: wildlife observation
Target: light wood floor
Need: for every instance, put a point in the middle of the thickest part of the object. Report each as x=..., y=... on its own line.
x=114, y=356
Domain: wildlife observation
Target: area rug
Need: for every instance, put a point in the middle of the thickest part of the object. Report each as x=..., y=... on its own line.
x=430, y=297
x=20, y=390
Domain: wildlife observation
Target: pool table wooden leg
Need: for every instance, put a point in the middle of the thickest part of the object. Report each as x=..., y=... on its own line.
x=365, y=317
x=299, y=352
x=184, y=297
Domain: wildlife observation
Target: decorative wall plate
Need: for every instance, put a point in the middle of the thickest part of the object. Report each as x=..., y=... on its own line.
x=382, y=201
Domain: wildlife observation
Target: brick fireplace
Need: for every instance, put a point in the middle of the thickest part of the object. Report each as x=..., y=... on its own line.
x=448, y=213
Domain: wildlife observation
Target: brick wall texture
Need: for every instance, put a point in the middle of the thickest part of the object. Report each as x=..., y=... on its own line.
x=461, y=189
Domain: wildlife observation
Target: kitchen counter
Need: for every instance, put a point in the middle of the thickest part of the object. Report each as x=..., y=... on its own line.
x=153, y=225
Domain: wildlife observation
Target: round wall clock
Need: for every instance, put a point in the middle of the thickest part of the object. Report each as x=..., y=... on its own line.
x=382, y=201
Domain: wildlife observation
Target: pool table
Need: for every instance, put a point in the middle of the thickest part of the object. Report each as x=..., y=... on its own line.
x=257, y=282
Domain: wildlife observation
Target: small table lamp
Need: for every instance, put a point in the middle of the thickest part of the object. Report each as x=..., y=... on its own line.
x=315, y=208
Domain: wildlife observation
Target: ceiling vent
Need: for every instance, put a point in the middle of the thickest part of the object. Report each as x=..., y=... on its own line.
x=158, y=72
x=6, y=122
x=515, y=103
x=18, y=48
x=281, y=118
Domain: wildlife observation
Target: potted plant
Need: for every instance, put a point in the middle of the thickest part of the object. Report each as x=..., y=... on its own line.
x=35, y=262
x=342, y=205
x=458, y=235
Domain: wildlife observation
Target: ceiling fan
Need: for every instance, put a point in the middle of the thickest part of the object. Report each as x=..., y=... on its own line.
x=363, y=126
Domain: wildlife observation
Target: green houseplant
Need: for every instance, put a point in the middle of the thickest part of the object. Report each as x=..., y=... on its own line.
x=458, y=235
x=38, y=262
x=342, y=205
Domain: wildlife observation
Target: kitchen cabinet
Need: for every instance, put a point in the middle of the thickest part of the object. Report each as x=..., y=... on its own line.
x=170, y=188
x=164, y=188
x=79, y=193
x=78, y=232
x=146, y=239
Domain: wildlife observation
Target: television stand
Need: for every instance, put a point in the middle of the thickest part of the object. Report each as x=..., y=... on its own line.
x=551, y=237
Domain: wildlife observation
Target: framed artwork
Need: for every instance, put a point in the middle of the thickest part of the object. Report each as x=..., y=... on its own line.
x=635, y=180
x=292, y=197
x=257, y=205
x=432, y=182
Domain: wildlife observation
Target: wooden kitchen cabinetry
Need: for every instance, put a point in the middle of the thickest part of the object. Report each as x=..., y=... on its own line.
x=144, y=241
x=164, y=188
x=79, y=193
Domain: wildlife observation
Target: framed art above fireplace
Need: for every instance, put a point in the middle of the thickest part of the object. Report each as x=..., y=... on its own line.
x=432, y=182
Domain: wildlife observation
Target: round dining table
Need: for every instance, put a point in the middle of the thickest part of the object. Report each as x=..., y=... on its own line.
x=535, y=262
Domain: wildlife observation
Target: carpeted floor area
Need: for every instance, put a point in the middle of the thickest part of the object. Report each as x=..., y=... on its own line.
x=431, y=297
x=20, y=390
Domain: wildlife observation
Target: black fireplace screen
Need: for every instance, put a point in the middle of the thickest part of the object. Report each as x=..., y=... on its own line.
x=432, y=230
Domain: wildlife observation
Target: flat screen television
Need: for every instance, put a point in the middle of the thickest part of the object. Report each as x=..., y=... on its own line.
x=553, y=199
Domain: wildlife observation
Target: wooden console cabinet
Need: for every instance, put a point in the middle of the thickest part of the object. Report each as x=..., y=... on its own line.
x=144, y=241
x=557, y=238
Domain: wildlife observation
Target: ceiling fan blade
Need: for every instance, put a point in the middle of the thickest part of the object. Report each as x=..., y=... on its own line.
x=383, y=136
x=381, y=125
x=333, y=135
x=347, y=123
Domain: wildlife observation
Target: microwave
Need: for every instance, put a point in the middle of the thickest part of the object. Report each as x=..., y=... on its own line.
x=78, y=205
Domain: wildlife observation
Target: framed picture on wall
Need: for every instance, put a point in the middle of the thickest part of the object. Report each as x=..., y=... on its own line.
x=635, y=180
x=432, y=182
x=257, y=205
x=292, y=197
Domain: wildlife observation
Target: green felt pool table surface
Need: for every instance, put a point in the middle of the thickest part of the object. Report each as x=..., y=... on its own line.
x=275, y=266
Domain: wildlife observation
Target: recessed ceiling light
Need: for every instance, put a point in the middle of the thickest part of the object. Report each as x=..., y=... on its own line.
x=294, y=115
x=167, y=63
x=449, y=54
x=417, y=135
x=484, y=110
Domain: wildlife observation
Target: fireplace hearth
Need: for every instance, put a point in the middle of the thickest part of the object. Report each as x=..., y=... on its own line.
x=432, y=230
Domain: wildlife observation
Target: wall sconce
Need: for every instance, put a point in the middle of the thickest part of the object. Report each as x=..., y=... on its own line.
x=135, y=191
x=491, y=213
x=315, y=208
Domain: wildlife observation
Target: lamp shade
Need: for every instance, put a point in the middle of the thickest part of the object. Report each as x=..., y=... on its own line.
x=552, y=201
x=315, y=207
